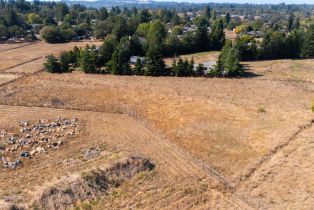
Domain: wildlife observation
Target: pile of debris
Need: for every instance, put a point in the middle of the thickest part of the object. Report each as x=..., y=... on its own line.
x=35, y=139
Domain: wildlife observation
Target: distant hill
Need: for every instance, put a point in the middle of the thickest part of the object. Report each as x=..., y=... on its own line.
x=186, y=5
x=128, y=3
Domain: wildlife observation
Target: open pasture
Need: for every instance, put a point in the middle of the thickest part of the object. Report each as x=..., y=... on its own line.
x=251, y=131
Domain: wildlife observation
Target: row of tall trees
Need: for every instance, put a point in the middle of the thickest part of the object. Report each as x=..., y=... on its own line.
x=89, y=60
x=278, y=45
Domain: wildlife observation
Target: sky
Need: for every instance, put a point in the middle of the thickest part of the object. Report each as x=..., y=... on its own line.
x=249, y=1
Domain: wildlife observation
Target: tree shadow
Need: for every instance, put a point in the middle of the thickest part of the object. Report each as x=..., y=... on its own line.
x=247, y=73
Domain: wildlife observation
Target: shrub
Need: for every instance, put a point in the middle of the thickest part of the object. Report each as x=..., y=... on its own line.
x=51, y=34
x=52, y=65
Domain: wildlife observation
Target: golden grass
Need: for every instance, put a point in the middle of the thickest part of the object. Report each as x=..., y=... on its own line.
x=228, y=123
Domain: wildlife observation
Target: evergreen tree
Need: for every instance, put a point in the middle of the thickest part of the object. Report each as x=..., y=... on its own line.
x=76, y=53
x=207, y=12
x=200, y=70
x=180, y=68
x=214, y=16
x=107, y=49
x=228, y=63
x=103, y=13
x=61, y=10
x=294, y=42
x=138, y=69
x=290, y=22
x=308, y=46
x=52, y=65
x=217, y=35
x=49, y=21
x=232, y=63
x=119, y=63
x=118, y=66
x=87, y=61
x=175, y=20
x=3, y=32
x=65, y=60
x=227, y=19
x=144, y=16
x=155, y=65
x=174, y=67
x=10, y=16
x=190, y=68
x=201, y=37
x=274, y=46
x=296, y=24
x=120, y=27
x=218, y=68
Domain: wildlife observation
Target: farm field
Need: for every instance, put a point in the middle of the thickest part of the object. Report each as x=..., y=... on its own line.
x=217, y=143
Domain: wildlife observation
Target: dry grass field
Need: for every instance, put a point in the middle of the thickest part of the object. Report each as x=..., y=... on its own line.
x=21, y=55
x=197, y=57
x=17, y=61
x=8, y=47
x=217, y=143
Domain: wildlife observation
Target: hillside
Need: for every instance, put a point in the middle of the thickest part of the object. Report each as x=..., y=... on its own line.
x=216, y=143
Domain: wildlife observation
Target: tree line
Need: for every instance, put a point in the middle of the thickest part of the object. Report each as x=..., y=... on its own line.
x=277, y=45
x=92, y=60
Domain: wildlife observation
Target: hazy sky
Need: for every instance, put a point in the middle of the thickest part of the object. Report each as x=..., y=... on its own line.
x=249, y=1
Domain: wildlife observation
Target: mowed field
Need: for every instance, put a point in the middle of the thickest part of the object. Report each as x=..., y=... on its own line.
x=217, y=143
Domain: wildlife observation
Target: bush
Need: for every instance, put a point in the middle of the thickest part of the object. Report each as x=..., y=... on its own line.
x=66, y=58
x=51, y=34
x=67, y=34
x=52, y=65
x=55, y=34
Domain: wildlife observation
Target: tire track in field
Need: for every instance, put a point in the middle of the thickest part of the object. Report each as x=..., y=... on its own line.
x=23, y=76
x=20, y=64
x=265, y=159
x=14, y=48
x=173, y=160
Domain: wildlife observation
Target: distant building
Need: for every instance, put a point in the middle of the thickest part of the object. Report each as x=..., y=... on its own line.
x=209, y=65
x=134, y=58
x=257, y=34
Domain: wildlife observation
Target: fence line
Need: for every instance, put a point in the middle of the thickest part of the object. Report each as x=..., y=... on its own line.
x=205, y=167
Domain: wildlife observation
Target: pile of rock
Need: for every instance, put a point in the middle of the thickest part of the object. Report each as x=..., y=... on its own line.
x=35, y=139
